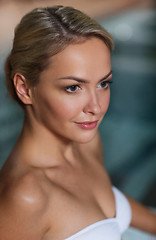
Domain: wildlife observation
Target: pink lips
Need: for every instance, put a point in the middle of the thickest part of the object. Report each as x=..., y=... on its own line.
x=87, y=125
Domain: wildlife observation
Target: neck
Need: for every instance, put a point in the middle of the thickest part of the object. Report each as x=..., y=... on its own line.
x=41, y=148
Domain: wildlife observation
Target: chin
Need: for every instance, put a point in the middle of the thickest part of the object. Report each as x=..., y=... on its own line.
x=86, y=138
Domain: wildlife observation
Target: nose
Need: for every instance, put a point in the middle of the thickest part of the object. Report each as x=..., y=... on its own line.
x=93, y=104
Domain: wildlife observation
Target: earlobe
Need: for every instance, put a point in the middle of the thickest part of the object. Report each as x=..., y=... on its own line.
x=22, y=89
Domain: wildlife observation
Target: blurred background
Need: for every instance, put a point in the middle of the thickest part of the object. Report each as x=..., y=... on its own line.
x=129, y=129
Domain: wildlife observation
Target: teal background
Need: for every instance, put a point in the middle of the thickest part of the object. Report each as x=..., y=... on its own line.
x=128, y=130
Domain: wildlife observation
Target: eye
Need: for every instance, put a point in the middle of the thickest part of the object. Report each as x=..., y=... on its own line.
x=72, y=89
x=105, y=84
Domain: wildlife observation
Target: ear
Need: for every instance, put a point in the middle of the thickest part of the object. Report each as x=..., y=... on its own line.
x=22, y=89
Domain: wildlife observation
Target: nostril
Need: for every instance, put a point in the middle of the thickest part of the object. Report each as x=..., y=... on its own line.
x=93, y=105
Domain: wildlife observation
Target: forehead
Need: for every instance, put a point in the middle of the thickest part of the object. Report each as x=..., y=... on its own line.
x=87, y=59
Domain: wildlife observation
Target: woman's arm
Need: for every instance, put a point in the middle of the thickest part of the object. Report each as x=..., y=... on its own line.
x=142, y=217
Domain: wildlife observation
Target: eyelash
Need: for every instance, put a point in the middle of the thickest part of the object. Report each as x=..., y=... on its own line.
x=107, y=83
x=69, y=87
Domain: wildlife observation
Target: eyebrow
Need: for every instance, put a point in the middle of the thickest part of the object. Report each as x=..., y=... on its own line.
x=80, y=80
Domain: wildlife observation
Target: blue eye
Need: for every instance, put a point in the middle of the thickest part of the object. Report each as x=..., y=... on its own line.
x=105, y=84
x=72, y=89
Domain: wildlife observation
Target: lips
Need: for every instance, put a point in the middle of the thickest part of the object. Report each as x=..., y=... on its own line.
x=87, y=125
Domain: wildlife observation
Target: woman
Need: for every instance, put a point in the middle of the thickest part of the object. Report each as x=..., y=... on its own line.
x=53, y=184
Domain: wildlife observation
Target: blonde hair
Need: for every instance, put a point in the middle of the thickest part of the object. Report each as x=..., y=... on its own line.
x=41, y=34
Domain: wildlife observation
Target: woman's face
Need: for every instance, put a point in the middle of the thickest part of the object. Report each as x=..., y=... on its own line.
x=73, y=93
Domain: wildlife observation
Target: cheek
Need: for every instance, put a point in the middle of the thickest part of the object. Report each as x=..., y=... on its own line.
x=66, y=108
x=104, y=101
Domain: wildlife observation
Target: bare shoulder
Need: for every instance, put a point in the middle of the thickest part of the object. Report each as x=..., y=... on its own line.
x=24, y=191
x=22, y=203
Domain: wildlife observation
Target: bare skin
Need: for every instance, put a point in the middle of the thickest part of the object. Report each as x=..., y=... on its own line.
x=64, y=197
x=53, y=183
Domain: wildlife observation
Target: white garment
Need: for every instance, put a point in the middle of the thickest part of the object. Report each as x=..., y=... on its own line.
x=108, y=229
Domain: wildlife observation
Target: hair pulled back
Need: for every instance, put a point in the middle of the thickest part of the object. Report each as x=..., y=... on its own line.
x=44, y=32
